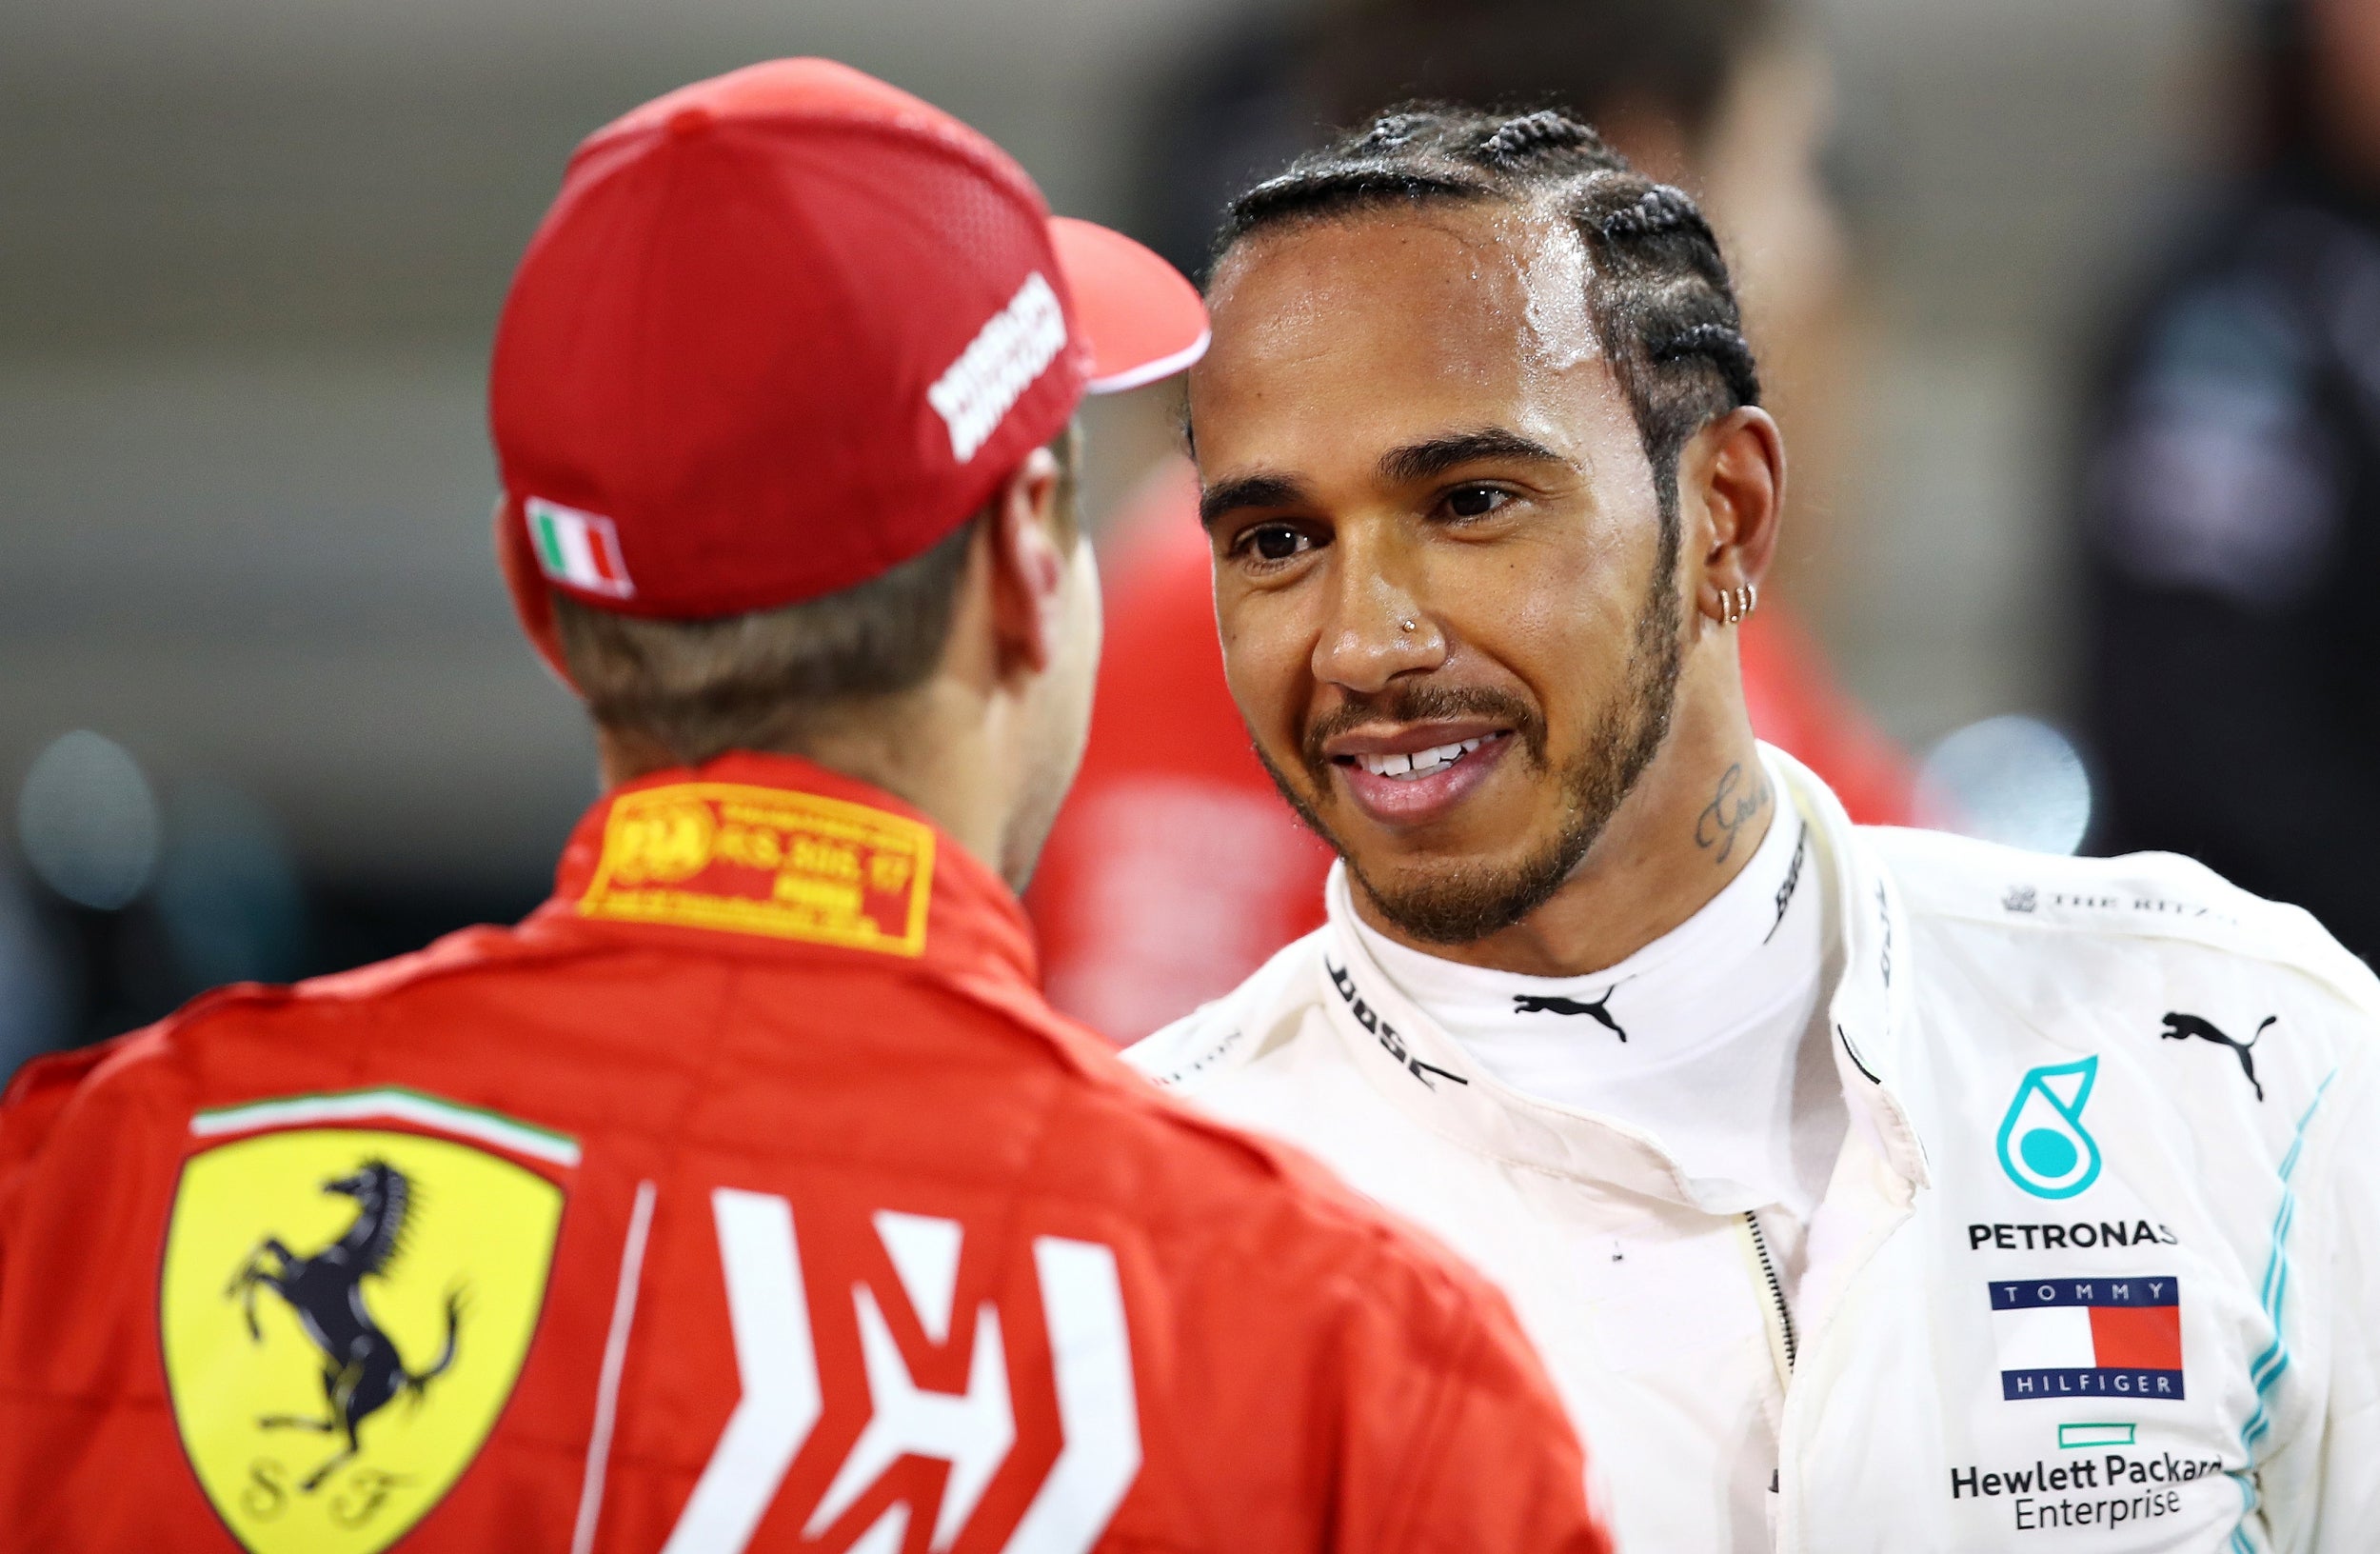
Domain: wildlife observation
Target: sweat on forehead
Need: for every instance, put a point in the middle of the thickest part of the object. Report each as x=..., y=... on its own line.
x=1658, y=295
x=1455, y=283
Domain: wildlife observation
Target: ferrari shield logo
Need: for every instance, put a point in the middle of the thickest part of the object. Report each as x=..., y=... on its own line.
x=345, y=1311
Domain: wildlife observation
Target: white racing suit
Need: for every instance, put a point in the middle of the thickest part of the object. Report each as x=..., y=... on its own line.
x=2095, y=1269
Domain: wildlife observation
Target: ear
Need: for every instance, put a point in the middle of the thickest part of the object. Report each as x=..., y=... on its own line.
x=1736, y=466
x=1028, y=565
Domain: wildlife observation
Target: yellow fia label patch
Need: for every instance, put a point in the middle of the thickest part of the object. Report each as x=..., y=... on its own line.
x=760, y=860
x=345, y=1312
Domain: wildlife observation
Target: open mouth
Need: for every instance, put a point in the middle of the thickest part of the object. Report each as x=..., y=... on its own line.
x=1420, y=762
x=1416, y=775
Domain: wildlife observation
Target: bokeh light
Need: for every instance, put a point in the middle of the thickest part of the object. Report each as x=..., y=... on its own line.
x=87, y=821
x=2012, y=780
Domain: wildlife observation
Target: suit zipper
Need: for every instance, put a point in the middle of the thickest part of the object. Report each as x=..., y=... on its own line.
x=1778, y=1309
x=1781, y=1344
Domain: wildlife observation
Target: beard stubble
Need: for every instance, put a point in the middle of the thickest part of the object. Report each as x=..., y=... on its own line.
x=1464, y=901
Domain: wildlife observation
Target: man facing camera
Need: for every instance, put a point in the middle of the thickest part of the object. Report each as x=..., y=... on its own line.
x=1863, y=1189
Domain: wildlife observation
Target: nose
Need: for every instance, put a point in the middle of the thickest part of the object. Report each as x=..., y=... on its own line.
x=1377, y=628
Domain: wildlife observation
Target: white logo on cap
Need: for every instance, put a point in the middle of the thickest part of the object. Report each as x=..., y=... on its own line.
x=999, y=365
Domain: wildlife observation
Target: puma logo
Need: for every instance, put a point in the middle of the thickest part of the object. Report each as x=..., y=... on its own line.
x=1533, y=1004
x=2181, y=1028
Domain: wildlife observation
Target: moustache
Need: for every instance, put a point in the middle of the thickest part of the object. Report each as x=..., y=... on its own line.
x=1421, y=703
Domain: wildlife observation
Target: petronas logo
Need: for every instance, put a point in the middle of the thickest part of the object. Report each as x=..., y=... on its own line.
x=2044, y=1146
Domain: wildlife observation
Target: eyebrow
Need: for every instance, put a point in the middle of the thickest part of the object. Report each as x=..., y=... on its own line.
x=1248, y=492
x=1400, y=465
x=1420, y=461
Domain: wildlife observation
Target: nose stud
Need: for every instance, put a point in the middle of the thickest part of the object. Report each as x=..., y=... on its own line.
x=1407, y=625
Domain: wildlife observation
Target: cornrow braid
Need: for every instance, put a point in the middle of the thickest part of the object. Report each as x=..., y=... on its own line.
x=1723, y=348
x=1664, y=209
x=1391, y=130
x=1657, y=286
x=1516, y=140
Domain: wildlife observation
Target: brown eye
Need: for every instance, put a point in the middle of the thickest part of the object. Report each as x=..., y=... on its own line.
x=1276, y=542
x=1474, y=501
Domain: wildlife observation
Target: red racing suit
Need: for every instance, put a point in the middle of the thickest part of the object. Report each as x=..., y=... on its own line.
x=744, y=1196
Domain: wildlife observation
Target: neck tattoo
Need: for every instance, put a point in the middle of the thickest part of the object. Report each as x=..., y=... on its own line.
x=1733, y=806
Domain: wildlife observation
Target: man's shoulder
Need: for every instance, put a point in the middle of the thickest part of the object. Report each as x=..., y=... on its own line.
x=1226, y=1035
x=1258, y=1212
x=229, y=1043
x=1410, y=1361
x=2087, y=909
x=121, y=1081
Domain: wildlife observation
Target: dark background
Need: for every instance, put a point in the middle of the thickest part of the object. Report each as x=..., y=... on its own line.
x=250, y=251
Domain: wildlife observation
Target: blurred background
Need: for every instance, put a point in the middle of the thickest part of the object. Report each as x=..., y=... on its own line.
x=263, y=709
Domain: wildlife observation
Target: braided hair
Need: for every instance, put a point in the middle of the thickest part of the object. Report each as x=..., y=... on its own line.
x=1657, y=289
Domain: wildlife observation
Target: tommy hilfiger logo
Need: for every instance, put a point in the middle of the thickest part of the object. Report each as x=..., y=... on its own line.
x=2068, y=1337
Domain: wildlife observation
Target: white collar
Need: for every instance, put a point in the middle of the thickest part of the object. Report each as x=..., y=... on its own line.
x=1698, y=1038
x=1684, y=992
x=1426, y=1073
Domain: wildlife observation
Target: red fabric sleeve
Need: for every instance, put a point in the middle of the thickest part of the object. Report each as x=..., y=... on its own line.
x=27, y=1109
x=1497, y=1466
x=1457, y=1443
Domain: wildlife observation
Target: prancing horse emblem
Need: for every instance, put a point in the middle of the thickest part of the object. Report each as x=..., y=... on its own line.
x=1534, y=1004
x=362, y=1370
x=2181, y=1028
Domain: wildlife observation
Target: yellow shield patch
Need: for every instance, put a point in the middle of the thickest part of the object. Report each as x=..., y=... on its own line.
x=344, y=1313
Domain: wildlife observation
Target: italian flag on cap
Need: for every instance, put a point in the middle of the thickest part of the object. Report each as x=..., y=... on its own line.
x=578, y=548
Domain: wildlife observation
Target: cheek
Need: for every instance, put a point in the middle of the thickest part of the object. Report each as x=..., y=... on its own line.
x=1268, y=657
x=1560, y=615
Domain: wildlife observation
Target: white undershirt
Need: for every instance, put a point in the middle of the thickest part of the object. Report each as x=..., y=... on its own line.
x=1724, y=1062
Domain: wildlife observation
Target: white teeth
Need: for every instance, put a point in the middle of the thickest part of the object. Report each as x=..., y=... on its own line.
x=1420, y=763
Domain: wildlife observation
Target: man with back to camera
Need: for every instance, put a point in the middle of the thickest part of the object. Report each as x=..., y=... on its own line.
x=1863, y=1189
x=746, y=1195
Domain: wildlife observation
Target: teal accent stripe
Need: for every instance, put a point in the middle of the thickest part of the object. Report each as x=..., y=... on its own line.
x=2269, y=1367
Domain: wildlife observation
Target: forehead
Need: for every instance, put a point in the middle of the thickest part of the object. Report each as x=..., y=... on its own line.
x=1379, y=326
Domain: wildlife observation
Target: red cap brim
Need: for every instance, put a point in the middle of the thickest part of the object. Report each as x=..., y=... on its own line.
x=1140, y=318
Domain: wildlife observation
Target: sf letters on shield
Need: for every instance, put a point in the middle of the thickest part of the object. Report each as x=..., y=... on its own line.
x=344, y=1313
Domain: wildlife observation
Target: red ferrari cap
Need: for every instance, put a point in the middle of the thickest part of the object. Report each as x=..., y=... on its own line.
x=785, y=330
